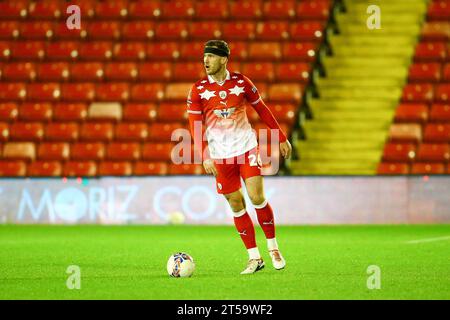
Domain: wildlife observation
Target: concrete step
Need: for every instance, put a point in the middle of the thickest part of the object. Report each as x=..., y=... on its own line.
x=366, y=62
x=361, y=93
x=336, y=155
x=349, y=103
x=360, y=51
x=397, y=73
x=375, y=137
x=343, y=83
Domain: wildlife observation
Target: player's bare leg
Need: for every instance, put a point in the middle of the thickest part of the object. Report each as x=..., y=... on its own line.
x=255, y=190
x=244, y=226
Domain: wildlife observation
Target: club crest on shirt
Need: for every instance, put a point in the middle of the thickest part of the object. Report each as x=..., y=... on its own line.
x=222, y=94
x=224, y=113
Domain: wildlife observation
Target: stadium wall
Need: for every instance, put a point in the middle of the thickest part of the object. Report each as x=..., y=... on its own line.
x=162, y=200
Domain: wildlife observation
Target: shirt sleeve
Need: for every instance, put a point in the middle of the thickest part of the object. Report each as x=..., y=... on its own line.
x=194, y=105
x=251, y=92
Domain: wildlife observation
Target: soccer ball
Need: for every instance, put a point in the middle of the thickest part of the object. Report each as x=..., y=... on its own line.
x=180, y=265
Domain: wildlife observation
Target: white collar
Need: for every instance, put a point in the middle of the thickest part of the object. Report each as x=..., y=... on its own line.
x=227, y=77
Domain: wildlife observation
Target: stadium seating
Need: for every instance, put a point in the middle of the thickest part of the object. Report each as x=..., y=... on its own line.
x=424, y=112
x=142, y=57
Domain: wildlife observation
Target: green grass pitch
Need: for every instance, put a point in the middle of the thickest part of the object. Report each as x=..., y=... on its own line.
x=129, y=262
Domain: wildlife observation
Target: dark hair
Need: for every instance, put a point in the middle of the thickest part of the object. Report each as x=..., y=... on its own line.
x=218, y=44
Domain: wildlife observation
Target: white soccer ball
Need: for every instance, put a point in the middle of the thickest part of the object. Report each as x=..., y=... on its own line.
x=180, y=265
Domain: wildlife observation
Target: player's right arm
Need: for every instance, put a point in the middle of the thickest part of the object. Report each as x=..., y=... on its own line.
x=195, y=116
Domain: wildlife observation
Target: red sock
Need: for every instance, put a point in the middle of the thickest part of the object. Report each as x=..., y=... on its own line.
x=265, y=219
x=244, y=226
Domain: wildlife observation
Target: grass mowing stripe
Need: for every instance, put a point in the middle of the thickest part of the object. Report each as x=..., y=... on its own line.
x=428, y=240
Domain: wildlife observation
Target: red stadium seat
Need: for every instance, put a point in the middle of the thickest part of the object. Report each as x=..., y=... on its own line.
x=49, y=9
x=439, y=10
x=54, y=151
x=12, y=168
x=437, y=132
x=205, y=30
x=80, y=169
x=14, y=91
x=61, y=32
x=113, y=168
x=265, y=51
x=178, y=91
x=272, y=31
x=131, y=131
x=5, y=50
x=157, y=151
x=442, y=92
x=163, y=131
x=87, y=151
x=45, y=169
x=21, y=71
x=260, y=71
x=130, y=51
x=313, y=10
x=123, y=151
x=4, y=131
x=55, y=71
x=239, y=30
x=275, y=9
x=192, y=51
x=39, y=30
x=435, y=31
x=169, y=111
x=177, y=9
x=87, y=71
x=211, y=10
x=97, y=131
x=8, y=111
x=145, y=9
x=155, y=71
x=411, y=112
x=289, y=71
x=95, y=51
x=119, y=91
x=422, y=92
x=430, y=51
x=399, y=152
x=185, y=169
x=13, y=9
x=286, y=92
x=35, y=112
x=111, y=9
x=138, y=30
x=163, y=50
x=246, y=9
x=234, y=67
x=103, y=30
x=78, y=92
x=425, y=72
x=9, y=30
x=430, y=152
x=62, y=50
x=69, y=111
x=405, y=132
x=19, y=151
x=26, y=131
x=393, y=169
x=61, y=131
x=43, y=92
x=239, y=50
x=307, y=31
x=173, y=30
x=304, y=51
x=139, y=112
x=428, y=168
x=440, y=112
x=143, y=168
x=446, y=73
x=284, y=112
x=28, y=50
x=145, y=92
x=188, y=71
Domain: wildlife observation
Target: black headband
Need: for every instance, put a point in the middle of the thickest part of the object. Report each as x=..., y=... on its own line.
x=216, y=51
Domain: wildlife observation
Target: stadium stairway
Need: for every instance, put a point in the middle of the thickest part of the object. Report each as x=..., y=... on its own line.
x=363, y=83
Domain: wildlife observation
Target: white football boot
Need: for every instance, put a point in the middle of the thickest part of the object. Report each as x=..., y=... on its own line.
x=277, y=259
x=253, y=266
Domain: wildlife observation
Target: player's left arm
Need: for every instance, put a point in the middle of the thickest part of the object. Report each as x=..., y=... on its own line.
x=253, y=97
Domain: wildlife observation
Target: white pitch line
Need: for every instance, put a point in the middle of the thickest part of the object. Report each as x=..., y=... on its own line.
x=428, y=240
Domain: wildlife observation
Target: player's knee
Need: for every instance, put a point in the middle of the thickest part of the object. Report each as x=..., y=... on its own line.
x=236, y=203
x=256, y=198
